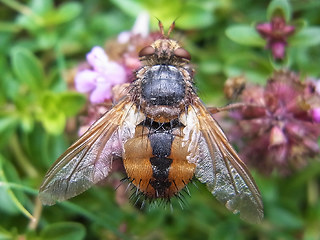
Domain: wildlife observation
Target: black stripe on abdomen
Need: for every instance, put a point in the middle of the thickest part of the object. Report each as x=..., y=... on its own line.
x=160, y=169
x=161, y=148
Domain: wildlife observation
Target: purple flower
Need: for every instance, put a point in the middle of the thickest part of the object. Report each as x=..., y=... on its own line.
x=101, y=77
x=317, y=86
x=315, y=113
x=276, y=34
x=314, y=102
x=279, y=126
x=108, y=72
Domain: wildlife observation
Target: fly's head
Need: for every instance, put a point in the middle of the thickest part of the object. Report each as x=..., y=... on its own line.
x=166, y=52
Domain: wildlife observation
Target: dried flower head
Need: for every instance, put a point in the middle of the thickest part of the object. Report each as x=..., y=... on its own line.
x=276, y=33
x=279, y=127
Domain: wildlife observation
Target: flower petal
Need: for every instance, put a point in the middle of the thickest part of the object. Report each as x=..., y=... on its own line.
x=124, y=37
x=85, y=81
x=141, y=25
x=288, y=30
x=98, y=59
x=315, y=113
x=278, y=49
x=114, y=73
x=101, y=92
x=277, y=137
x=318, y=86
x=264, y=29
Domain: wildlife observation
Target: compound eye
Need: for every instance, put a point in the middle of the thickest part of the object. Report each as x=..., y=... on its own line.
x=146, y=51
x=181, y=52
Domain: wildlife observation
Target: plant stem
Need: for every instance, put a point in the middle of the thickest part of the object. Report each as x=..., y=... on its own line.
x=24, y=10
x=21, y=159
x=36, y=214
x=313, y=193
x=13, y=196
x=9, y=27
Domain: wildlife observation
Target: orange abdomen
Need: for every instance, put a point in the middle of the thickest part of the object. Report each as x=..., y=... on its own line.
x=156, y=162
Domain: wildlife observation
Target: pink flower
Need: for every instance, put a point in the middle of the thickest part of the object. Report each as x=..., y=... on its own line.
x=108, y=72
x=101, y=77
x=315, y=113
x=279, y=127
x=276, y=34
x=317, y=86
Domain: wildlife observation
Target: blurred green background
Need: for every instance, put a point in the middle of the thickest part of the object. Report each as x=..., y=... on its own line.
x=41, y=41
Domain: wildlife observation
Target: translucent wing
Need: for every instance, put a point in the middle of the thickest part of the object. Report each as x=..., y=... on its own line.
x=219, y=166
x=89, y=159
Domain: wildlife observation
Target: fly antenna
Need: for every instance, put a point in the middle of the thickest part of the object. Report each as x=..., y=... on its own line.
x=161, y=28
x=171, y=27
x=173, y=24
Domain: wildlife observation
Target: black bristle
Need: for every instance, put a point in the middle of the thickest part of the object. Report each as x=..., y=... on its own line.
x=142, y=201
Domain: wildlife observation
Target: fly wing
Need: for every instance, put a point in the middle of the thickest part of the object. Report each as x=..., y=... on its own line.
x=219, y=166
x=89, y=159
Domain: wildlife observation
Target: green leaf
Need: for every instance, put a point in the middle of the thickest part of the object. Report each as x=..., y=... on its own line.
x=245, y=35
x=11, y=202
x=41, y=7
x=68, y=11
x=7, y=122
x=284, y=218
x=65, y=13
x=56, y=107
x=210, y=66
x=9, y=87
x=8, y=125
x=225, y=230
x=9, y=27
x=306, y=37
x=279, y=7
x=27, y=122
x=64, y=231
x=46, y=39
x=70, y=103
x=27, y=68
x=196, y=15
x=129, y=6
x=192, y=13
x=34, y=19
x=6, y=235
x=54, y=122
x=51, y=116
x=43, y=147
x=241, y=64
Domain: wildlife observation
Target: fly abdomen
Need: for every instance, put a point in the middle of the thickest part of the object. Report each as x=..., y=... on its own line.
x=161, y=143
x=156, y=160
x=160, y=172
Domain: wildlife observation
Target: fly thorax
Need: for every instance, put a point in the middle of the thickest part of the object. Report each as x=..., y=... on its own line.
x=163, y=91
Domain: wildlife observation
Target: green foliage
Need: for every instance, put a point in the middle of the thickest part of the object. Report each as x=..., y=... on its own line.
x=245, y=35
x=34, y=98
x=304, y=37
x=280, y=8
x=307, y=37
x=10, y=203
x=27, y=69
x=63, y=231
x=42, y=41
x=191, y=14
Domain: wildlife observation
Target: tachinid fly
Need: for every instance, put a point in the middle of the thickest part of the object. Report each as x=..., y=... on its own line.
x=165, y=137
